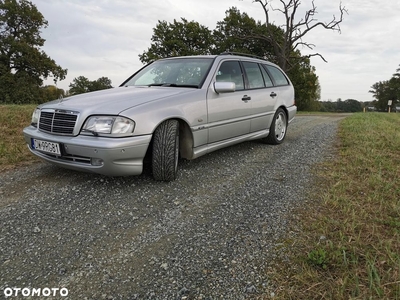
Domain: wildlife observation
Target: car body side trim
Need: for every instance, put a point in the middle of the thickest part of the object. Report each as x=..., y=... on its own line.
x=202, y=150
x=230, y=121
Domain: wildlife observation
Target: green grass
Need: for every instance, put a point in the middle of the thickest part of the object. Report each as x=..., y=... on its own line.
x=347, y=244
x=13, y=150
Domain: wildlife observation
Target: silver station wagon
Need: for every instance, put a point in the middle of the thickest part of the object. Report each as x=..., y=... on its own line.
x=180, y=107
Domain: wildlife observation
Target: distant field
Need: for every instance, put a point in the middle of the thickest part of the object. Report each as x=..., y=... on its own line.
x=13, y=150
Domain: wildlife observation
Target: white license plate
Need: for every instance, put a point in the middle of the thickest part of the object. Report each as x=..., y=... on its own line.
x=48, y=147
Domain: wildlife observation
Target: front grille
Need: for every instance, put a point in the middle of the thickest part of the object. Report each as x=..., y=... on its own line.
x=58, y=122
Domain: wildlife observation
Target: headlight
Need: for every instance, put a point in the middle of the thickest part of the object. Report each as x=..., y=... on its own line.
x=108, y=125
x=35, y=117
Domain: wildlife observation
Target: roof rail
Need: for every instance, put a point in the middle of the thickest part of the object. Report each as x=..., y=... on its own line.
x=242, y=54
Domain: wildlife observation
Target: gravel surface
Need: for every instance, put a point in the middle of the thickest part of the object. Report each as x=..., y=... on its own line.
x=211, y=234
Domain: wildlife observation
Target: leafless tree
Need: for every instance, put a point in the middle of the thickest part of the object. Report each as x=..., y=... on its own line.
x=294, y=29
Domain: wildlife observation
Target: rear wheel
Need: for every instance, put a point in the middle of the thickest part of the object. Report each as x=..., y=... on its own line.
x=165, y=152
x=277, y=131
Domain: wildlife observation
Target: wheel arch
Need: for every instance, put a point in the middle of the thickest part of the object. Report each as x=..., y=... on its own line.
x=185, y=138
x=286, y=112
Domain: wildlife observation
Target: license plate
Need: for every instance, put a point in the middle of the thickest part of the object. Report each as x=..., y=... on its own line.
x=48, y=147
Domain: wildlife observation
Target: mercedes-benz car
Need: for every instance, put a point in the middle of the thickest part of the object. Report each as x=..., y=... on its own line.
x=171, y=109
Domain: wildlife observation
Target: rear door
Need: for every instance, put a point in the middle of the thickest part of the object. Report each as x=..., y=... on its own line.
x=262, y=93
x=282, y=87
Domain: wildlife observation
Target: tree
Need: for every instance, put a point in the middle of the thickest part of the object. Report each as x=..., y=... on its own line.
x=235, y=33
x=349, y=105
x=178, y=39
x=306, y=85
x=387, y=90
x=101, y=83
x=82, y=85
x=328, y=106
x=23, y=66
x=352, y=105
x=294, y=31
x=79, y=85
x=50, y=92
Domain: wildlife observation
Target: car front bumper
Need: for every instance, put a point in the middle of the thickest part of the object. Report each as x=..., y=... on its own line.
x=107, y=156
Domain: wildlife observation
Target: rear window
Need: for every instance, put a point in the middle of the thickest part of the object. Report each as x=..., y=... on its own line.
x=278, y=76
x=254, y=75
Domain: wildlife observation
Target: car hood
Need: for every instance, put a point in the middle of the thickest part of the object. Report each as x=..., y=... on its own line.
x=114, y=101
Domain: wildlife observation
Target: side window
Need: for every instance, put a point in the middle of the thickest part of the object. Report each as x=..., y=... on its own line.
x=230, y=71
x=254, y=75
x=267, y=79
x=279, y=77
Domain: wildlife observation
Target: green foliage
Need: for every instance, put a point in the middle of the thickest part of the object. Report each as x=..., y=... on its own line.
x=306, y=85
x=239, y=33
x=22, y=64
x=349, y=105
x=387, y=90
x=318, y=257
x=178, y=39
x=50, y=92
x=82, y=85
x=236, y=33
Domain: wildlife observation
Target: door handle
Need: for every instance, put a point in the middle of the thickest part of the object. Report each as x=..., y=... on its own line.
x=246, y=98
x=273, y=94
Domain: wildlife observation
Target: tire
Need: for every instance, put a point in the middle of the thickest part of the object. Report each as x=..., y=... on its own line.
x=277, y=131
x=165, y=152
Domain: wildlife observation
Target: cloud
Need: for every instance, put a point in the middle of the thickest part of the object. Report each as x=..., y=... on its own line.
x=104, y=37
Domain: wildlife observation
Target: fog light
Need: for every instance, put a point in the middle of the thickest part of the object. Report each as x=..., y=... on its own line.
x=96, y=162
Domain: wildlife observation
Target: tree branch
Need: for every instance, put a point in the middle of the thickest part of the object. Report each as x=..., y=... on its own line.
x=316, y=54
x=265, y=8
x=295, y=31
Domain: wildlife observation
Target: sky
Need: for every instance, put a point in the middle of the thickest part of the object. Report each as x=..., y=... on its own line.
x=96, y=38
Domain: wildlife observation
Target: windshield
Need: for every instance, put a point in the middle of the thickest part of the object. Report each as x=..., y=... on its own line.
x=186, y=72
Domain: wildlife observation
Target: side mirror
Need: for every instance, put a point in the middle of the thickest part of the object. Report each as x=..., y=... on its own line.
x=224, y=87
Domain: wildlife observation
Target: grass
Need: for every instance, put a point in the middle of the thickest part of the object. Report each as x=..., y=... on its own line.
x=13, y=150
x=347, y=240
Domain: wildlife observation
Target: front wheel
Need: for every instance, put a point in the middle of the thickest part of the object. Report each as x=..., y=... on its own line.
x=277, y=131
x=165, y=152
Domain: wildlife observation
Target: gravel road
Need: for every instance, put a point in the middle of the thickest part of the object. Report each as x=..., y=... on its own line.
x=211, y=234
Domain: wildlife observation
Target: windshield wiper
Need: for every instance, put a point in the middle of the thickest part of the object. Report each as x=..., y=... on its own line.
x=162, y=84
x=174, y=85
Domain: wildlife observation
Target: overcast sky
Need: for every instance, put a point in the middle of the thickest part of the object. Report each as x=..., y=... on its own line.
x=95, y=38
